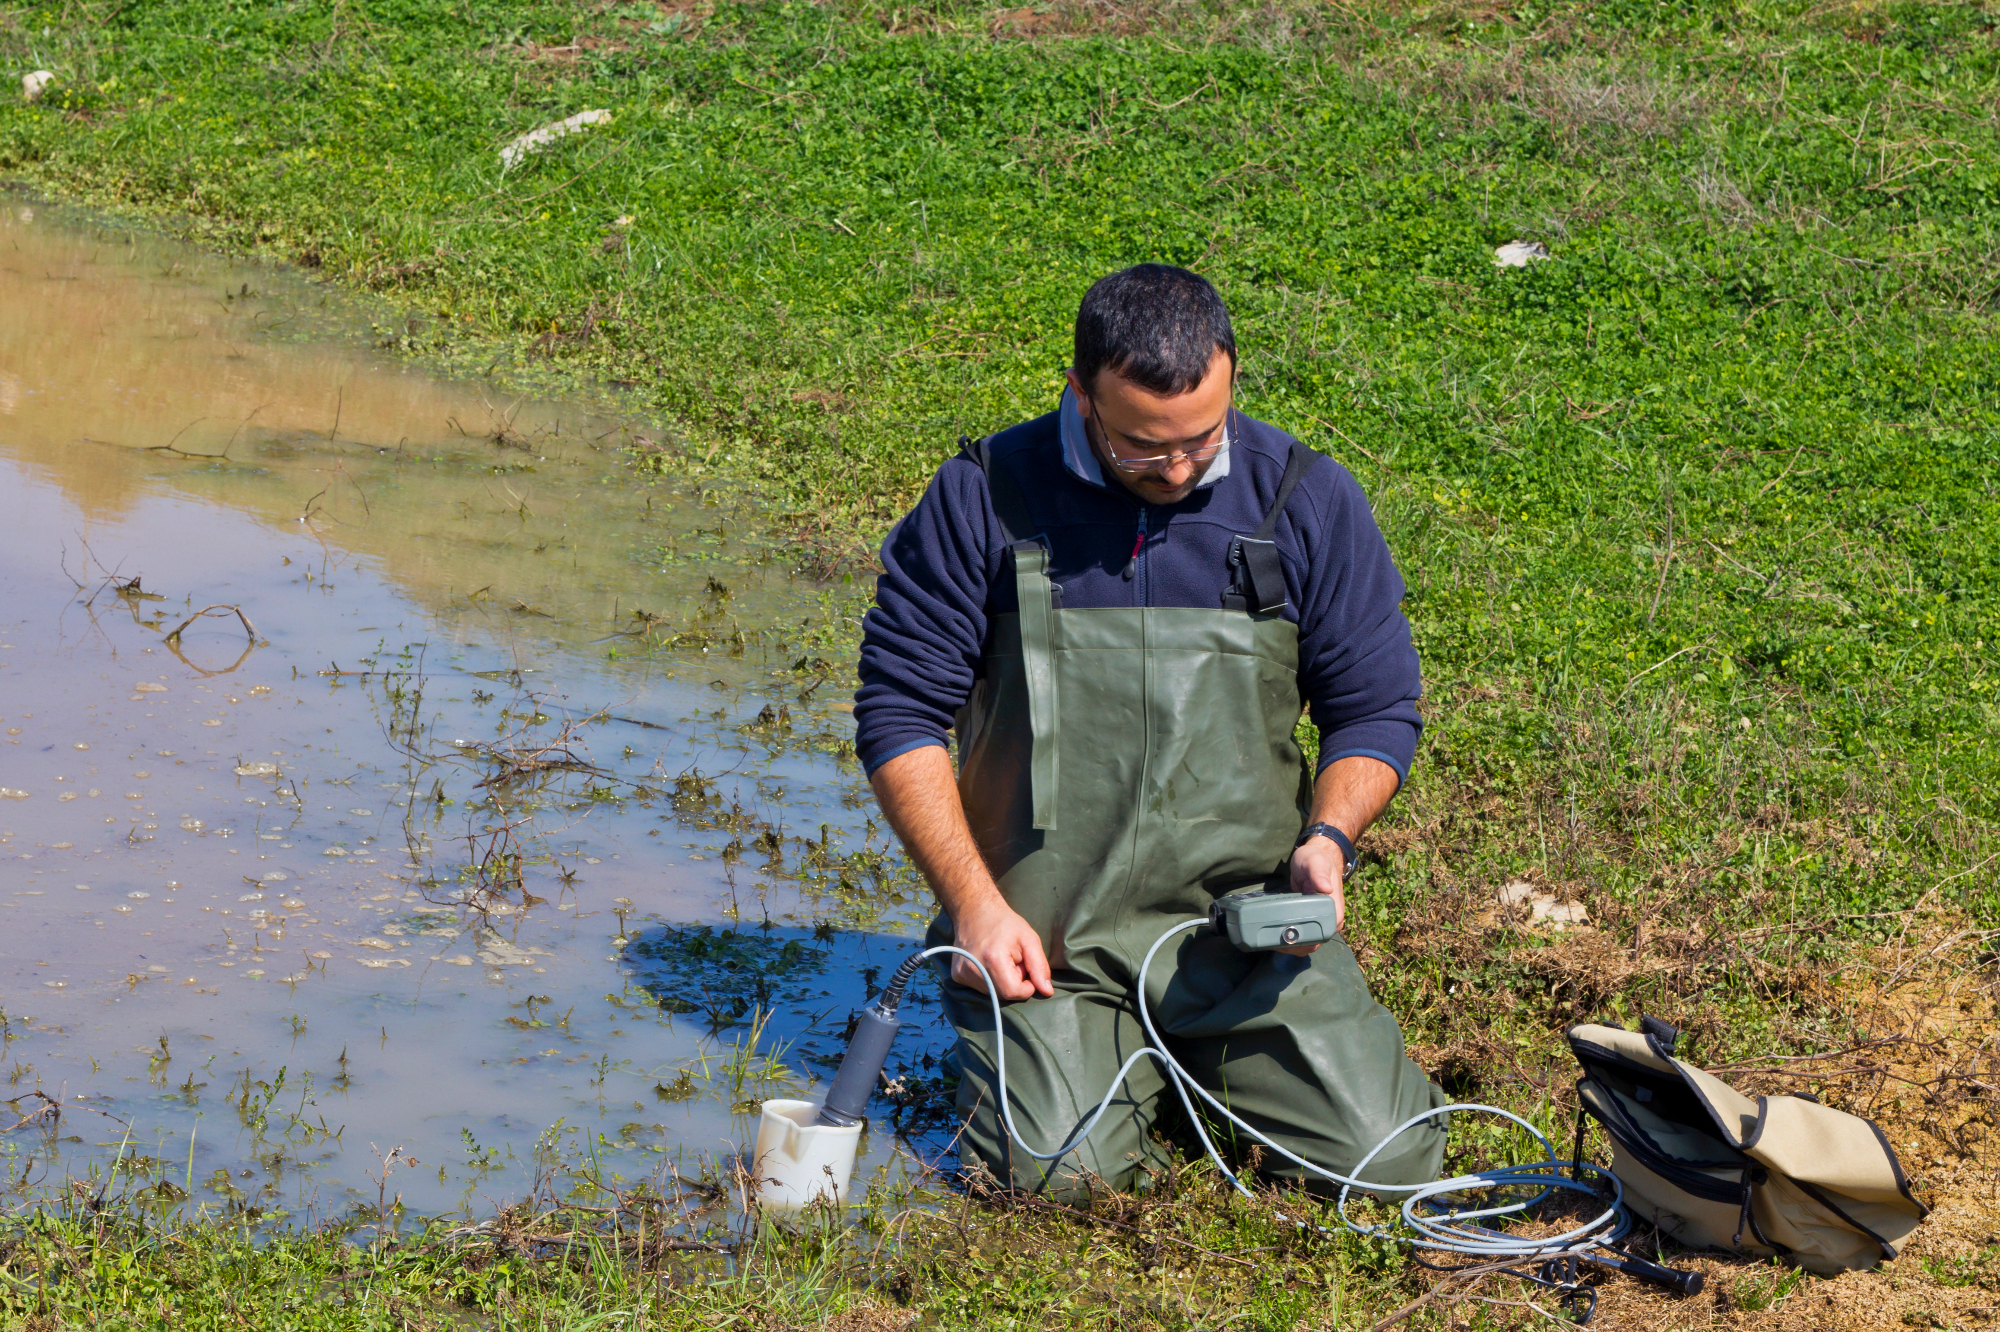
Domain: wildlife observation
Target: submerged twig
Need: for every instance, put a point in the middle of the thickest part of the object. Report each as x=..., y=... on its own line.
x=168, y=447
x=205, y=672
x=51, y=1111
x=174, y=637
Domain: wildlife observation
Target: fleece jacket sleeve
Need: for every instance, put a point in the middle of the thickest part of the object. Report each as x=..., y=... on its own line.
x=922, y=641
x=1357, y=665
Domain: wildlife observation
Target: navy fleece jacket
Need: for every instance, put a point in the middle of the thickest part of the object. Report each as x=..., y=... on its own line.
x=946, y=575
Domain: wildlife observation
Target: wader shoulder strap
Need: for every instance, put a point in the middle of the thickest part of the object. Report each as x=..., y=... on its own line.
x=1032, y=588
x=1257, y=575
x=1036, y=596
x=1009, y=505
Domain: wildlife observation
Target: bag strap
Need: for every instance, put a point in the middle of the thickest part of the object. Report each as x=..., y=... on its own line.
x=1753, y=1175
x=1035, y=594
x=1257, y=575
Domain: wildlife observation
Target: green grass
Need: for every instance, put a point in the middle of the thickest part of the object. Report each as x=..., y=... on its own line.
x=1698, y=516
x=1738, y=435
x=575, y=1269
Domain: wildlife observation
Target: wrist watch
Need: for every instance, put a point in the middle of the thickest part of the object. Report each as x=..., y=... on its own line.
x=1338, y=838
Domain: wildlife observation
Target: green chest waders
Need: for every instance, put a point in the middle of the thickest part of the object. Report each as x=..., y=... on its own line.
x=1122, y=768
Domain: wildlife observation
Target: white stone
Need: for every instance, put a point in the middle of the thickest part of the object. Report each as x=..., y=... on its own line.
x=537, y=139
x=1543, y=907
x=1518, y=254
x=35, y=84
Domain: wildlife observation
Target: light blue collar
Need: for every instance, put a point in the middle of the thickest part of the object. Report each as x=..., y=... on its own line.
x=1077, y=455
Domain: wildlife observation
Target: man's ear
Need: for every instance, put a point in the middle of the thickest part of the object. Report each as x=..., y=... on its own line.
x=1076, y=386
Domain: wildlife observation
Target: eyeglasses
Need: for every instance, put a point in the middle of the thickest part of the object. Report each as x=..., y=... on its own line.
x=1200, y=453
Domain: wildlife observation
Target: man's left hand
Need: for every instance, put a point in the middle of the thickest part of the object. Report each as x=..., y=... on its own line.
x=1349, y=794
x=1316, y=868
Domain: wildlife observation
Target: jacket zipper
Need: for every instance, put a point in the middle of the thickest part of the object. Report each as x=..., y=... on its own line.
x=1132, y=562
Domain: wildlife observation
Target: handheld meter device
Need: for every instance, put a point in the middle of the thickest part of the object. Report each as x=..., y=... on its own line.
x=1261, y=920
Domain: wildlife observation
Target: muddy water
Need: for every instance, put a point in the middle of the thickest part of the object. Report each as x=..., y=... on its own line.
x=508, y=824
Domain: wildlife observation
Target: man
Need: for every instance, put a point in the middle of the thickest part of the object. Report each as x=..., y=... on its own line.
x=1120, y=608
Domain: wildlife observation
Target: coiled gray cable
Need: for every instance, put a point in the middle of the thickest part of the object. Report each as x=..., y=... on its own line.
x=1431, y=1223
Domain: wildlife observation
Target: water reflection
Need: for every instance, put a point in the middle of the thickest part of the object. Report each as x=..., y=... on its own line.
x=774, y=1002
x=410, y=853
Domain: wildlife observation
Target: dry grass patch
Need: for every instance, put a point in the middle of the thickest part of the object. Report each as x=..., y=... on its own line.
x=1924, y=1071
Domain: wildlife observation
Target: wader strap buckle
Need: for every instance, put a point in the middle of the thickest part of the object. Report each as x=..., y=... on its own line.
x=1256, y=574
x=1257, y=577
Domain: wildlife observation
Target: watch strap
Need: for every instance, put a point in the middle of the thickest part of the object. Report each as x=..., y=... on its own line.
x=1337, y=837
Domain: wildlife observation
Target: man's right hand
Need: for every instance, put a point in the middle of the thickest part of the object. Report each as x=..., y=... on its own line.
x=920, y=795
x=996, y=934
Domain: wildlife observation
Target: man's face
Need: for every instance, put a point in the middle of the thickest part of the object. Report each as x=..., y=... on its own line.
x=1144, y=439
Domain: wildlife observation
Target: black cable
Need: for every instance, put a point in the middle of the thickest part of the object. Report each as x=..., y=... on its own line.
x=892, y=993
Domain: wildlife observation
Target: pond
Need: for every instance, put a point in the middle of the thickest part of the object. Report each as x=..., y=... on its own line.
x=496, y=820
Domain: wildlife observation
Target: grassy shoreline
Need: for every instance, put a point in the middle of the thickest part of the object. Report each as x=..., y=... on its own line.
x=1696, y=515
x=1734, y=440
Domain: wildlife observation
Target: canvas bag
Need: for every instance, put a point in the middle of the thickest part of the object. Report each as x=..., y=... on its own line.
x=1715, y=1169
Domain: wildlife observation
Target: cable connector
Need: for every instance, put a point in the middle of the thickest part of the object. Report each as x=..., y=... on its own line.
x=899, y=980
x=870, y=1033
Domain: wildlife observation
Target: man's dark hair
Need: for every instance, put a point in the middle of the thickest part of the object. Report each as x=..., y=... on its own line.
x=1153, y=324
